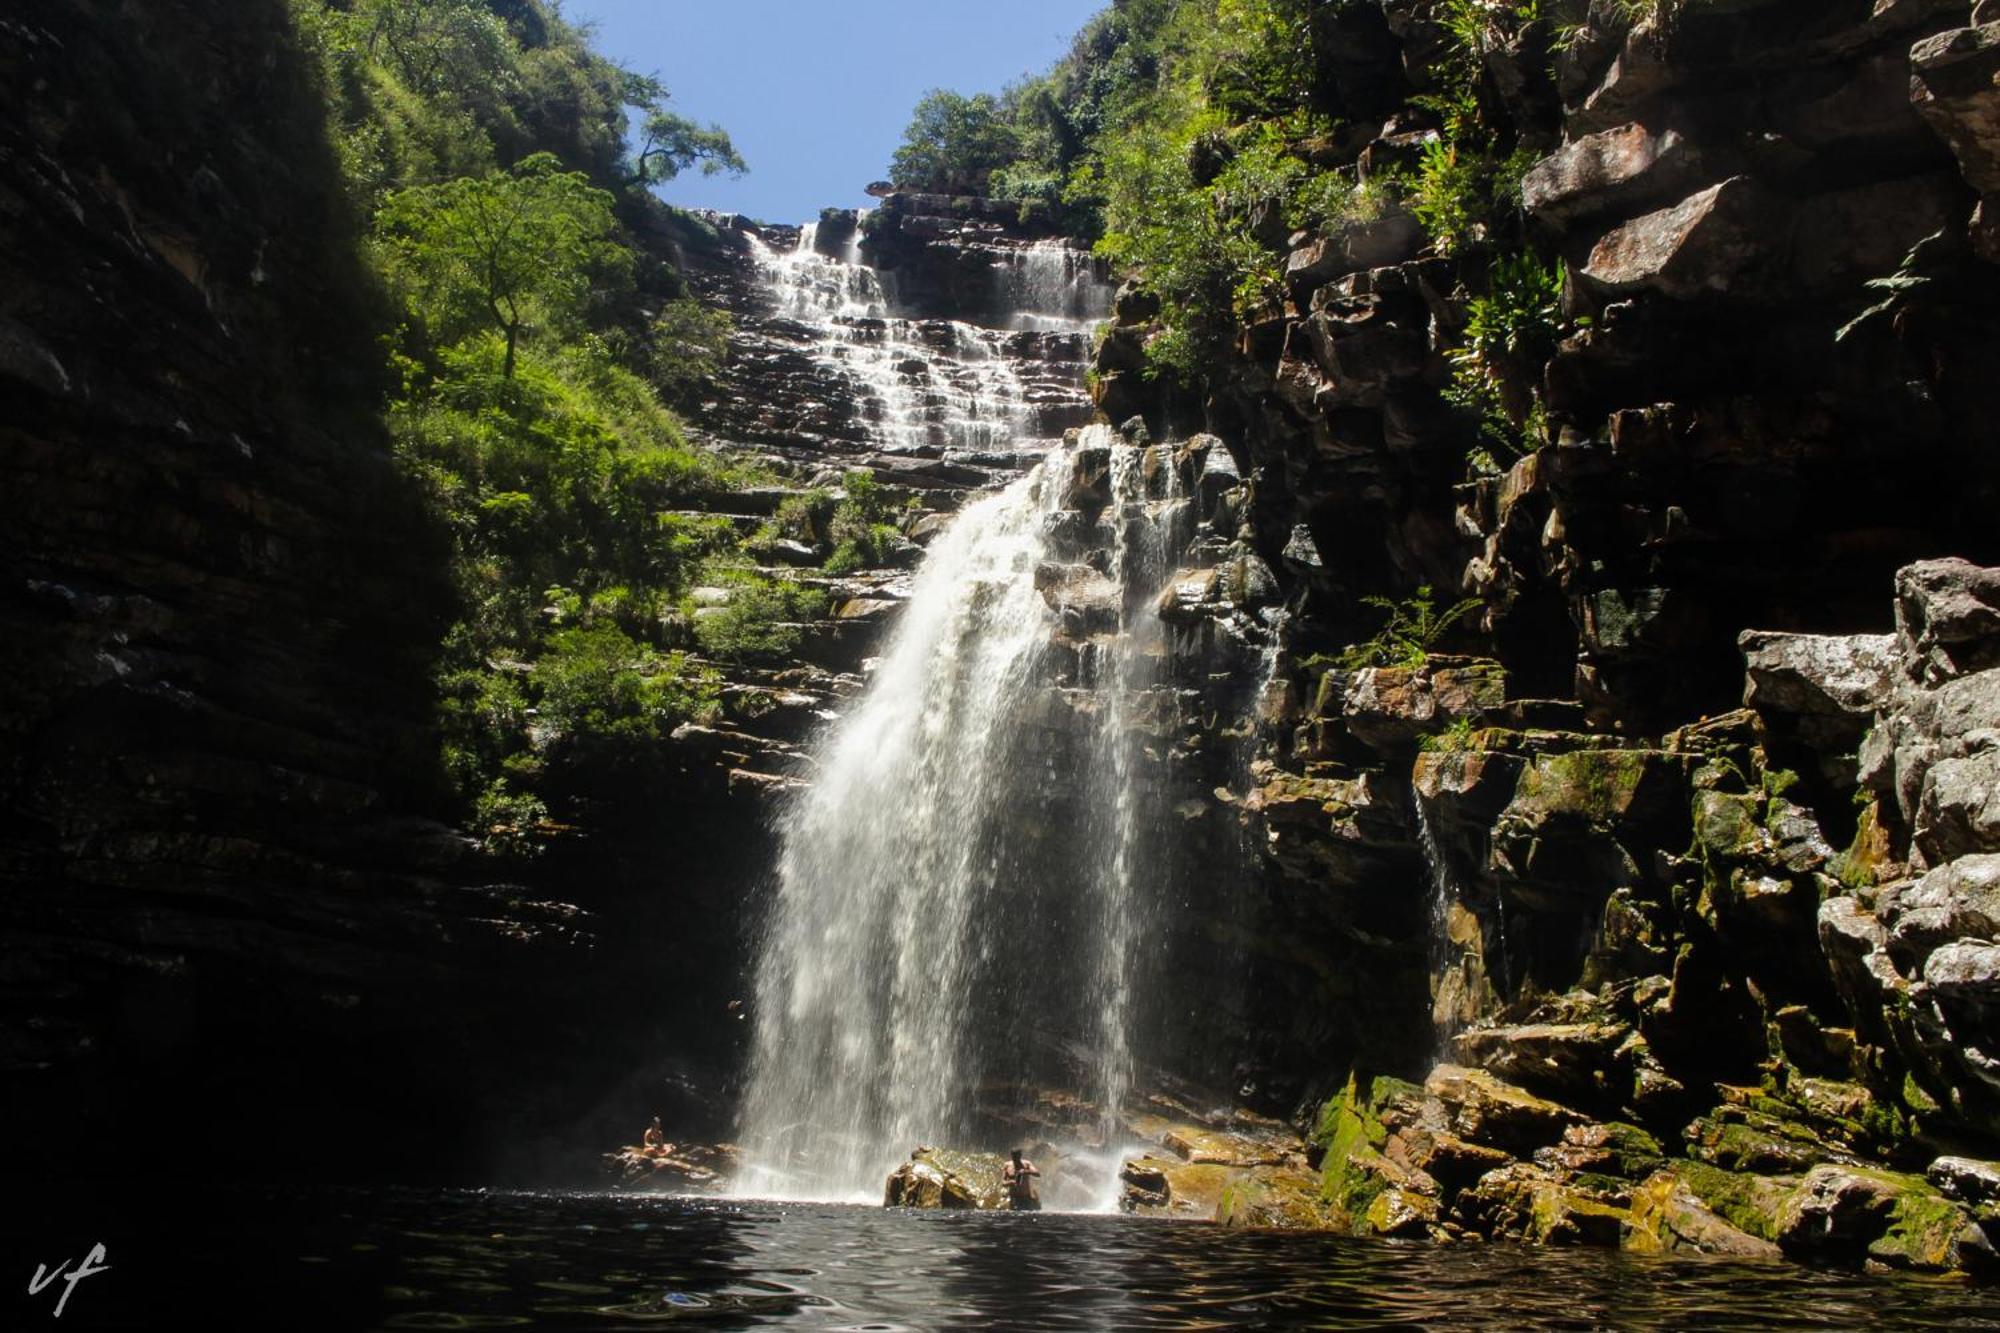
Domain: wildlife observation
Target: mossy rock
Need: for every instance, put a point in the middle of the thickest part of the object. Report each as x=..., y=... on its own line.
x=1170, y=1187
x=1857, y=1213
x=1605, y=786
x=1669, y=1216
x=1351, y=1132
x=1401, y=1213
x=1729, y=825
x=1524, y=1202
x=1745, y=1201
x=1274, y=1198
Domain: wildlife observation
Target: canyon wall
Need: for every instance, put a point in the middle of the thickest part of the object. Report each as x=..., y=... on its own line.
x=1587, y=859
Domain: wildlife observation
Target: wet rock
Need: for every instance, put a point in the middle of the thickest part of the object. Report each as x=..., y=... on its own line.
x=942, y=1178
x=1576, y=1062
x=1216, y=1147
x=1668, y=1216
x=1969, y=1181
x=1852, y=1213
x=1402, y=1213
x=1529, y=1203
x=1273, y=1198
x=1485, y=1110
x=1170, y=1187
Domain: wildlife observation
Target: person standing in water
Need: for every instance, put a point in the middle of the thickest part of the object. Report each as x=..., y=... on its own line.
x=1019, y=1176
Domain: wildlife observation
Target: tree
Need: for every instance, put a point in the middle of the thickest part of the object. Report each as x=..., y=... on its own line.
x=954, y=143
x=669, y=143
x=497, y=250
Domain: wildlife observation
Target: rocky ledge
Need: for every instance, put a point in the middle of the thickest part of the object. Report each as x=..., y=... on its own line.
x=1728, y=989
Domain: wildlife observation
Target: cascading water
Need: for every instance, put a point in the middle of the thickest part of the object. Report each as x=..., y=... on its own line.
x=959, y=898
x=928, y=383
x=913, y=922
x=1443, y=893
x=1053, y=285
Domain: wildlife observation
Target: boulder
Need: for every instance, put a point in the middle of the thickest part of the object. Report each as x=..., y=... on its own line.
x=1215, y=1147
x=1955, y=86
x=1485, y=1110
x=1169, y=1187
x=1967, y=1180
x=1609, y=171
x=1947, y=619
x=1530, y=1203
x=1711, y=242
x=942, y=1178
x=1959, y=811
x=1854, y=1213
x=1390, y=708
x=1577, y=1062
x=1669, y=1217
x=1844, y=676
x=1273, y=1198
x=1956, y=899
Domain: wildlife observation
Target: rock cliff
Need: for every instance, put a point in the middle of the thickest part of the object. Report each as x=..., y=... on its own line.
x=1590, y=876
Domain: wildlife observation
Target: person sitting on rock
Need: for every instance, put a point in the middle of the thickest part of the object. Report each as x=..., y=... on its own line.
x=1019, y=1177
x=655, y=1140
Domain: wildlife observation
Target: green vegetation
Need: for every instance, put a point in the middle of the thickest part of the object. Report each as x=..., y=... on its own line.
x=1510, y=332
x=1191, y=137
x=954, y=144
x=1454, y=739
x=1411, y=630
x=535, y=348
x=1177, y=132
x=499, y=250
x=859, y=529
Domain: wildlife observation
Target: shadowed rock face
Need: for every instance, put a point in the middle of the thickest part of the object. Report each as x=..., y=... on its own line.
x=225, y=905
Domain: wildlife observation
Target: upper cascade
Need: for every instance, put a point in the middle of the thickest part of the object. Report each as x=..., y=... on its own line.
x=949, y=360
x=929, y=384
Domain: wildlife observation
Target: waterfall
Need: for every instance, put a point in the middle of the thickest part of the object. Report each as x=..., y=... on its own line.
x=1146, y=536
x=1054, y=286
x=955, y=876
x=929, y=385
x=1443, y=892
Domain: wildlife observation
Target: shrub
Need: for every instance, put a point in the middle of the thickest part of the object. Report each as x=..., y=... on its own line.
x=762, y=620
x=599, y=685
x=1510, y=332
x=508, y=823
x=1410, y=630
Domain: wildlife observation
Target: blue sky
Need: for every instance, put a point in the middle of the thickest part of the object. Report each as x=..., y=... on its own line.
x=815, y=93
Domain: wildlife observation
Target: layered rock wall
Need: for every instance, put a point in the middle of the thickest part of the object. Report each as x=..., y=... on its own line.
x=225, y=905
x=1571, y=860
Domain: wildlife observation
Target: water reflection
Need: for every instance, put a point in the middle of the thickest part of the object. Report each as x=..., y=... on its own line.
x=410, y=1260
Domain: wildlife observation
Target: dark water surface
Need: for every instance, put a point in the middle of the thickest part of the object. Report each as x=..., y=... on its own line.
x=481, y=1259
